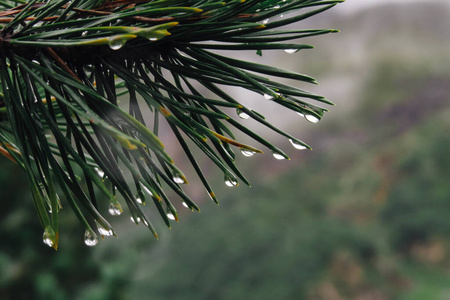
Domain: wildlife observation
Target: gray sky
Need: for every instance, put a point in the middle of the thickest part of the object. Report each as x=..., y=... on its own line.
x=351, y=6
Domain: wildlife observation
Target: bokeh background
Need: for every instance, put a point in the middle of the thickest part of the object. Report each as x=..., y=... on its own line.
x=364, y=216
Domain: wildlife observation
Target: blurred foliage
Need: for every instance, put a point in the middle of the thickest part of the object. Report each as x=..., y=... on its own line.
x=418, y=204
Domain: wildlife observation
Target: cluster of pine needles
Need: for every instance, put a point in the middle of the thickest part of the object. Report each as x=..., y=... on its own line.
x=65, y=64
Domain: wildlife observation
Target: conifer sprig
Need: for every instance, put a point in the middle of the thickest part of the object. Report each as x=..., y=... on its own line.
x=64, y=65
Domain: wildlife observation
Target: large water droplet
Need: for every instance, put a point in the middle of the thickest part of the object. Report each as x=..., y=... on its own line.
x=48, y=241
x=242, y=114
x=138, y=200
x=114, y=210
x=115, y=43
x=266, y=21
x=278, y=156
x=312, y=118
x=247, y=152
x=291, y=51
x=178, y=179
x=104, y=231
x=47, y=237
x=185, y=204
x=297, y=145
x=90, y=239
x=171, y=216
x=231, y=182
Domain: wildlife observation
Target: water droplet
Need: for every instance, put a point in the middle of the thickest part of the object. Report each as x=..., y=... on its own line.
x=171, y=216
x=268, y=97
x=290, y=51
x=147, y=190
x=312, y=118
x=185, y=204
x=153, y=39
x=48, y=241
x=137, y=221
x=47, y=237
x=278, y=156
x=297, y=145
x=103, y=231
x=99, y=172
x=182, y=53
x=138, y=200
x=230, y=181
x=178, y=179
x=84, y=33
x=247, y=152
x=115, y=43
x=242, y=114
x=114, y=210
x=276, y=7
x=90, y=239
x=266, y=21
x=300, y=114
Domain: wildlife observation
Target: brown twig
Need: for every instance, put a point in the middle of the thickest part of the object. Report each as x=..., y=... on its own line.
x=117, y=3
x=7, y=20
x=61, y=63
x=9, y=12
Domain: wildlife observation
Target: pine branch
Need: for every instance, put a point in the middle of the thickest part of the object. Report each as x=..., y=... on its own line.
x=64, y=65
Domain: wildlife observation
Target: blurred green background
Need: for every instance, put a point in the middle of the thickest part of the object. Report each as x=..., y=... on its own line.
x=364, y=216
